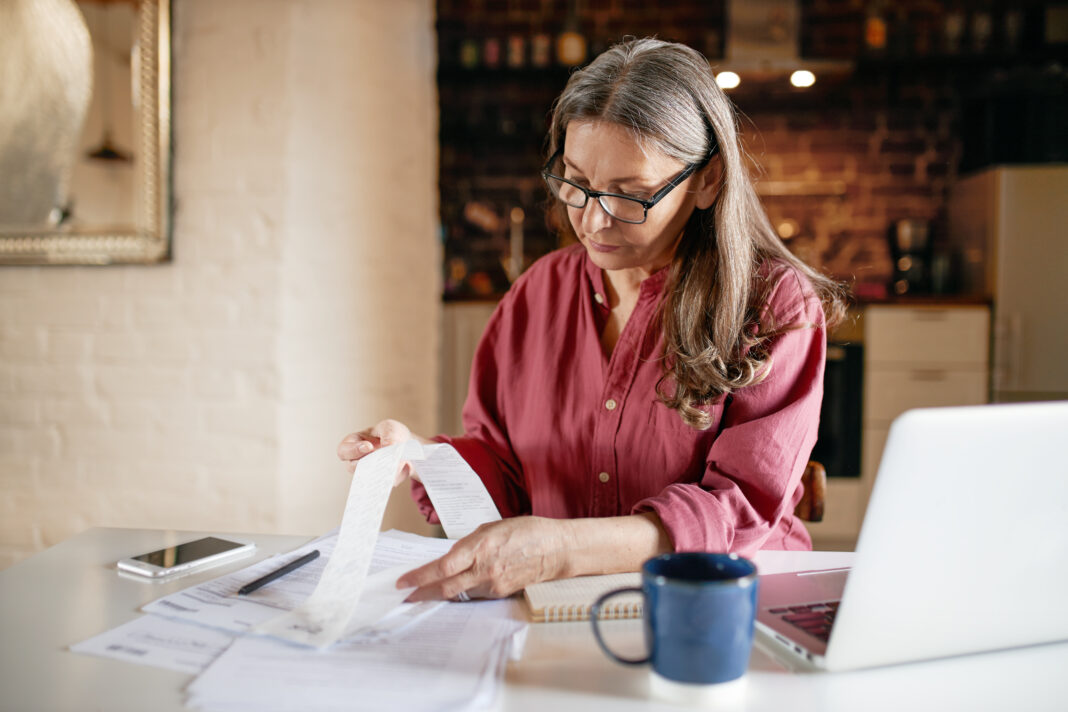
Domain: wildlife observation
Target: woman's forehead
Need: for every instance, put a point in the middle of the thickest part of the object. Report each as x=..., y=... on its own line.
x=616, y=151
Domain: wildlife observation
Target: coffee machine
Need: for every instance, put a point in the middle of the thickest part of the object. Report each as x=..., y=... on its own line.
x=910, y=250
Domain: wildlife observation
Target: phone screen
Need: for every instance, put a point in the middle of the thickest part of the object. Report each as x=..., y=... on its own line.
x=190, y=551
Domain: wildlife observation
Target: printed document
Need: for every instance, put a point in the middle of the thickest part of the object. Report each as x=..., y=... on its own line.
x=451, y=660
x=456, y=491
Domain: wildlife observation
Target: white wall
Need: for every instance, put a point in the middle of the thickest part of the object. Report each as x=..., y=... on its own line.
x=302, y=301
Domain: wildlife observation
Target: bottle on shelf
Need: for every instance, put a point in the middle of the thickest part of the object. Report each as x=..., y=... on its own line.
x=491, y=53
x=468, y=53
x=517, y=51
x=953, y=24
x=1012, y=26
x=571, y=43
x=541, y=48
x=875, y=28
x=571, y=47
x=982, y=27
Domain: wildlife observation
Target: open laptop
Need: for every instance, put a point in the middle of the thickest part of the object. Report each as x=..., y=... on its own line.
x=964, y=547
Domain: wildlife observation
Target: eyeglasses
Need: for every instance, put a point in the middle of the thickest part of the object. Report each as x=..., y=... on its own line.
x=625, y=208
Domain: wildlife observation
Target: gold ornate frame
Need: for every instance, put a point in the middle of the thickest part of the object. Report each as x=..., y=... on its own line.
x=149, y=240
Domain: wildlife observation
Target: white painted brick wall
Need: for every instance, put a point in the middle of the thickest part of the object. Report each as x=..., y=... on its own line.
x=302, y=301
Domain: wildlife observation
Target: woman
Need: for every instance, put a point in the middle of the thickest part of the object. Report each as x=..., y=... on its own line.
x=656, y=386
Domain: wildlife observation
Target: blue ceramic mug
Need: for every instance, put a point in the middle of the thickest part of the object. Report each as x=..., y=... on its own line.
x=698, y=614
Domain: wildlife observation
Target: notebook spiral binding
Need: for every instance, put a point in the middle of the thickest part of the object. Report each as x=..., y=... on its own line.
x=567, y=614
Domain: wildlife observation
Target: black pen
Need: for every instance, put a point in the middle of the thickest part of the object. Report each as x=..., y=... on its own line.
x=278, y=573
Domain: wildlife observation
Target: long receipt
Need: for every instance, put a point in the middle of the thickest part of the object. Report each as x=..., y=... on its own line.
x=459, y=498
x=456, y=491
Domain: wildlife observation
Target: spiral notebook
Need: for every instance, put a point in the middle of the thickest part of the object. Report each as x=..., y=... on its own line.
x=570, y=599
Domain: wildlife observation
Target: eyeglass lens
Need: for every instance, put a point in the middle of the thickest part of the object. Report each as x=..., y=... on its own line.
x=619, y=208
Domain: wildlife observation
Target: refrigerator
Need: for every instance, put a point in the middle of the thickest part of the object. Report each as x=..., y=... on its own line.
x=1008, y=226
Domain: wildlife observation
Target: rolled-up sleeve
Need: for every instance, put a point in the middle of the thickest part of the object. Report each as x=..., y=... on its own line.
x=751, y=483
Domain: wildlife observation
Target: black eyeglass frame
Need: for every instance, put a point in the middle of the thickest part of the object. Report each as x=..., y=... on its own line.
x=597, y=195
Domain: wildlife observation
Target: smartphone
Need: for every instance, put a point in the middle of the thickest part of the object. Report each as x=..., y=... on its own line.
x=183, y=558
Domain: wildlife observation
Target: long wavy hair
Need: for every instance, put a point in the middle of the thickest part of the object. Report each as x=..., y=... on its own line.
x=716, y=330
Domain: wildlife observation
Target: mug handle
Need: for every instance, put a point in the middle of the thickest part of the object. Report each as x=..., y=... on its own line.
x=595, y=618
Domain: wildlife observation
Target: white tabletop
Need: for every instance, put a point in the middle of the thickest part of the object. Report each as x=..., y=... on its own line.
x=72, y=592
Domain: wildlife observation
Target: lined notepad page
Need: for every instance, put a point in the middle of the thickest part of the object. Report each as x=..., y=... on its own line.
x=570, y=599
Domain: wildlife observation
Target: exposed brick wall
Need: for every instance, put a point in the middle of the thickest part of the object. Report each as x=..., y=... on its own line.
x=892, y=158
x=890, y=129
x=302, y=301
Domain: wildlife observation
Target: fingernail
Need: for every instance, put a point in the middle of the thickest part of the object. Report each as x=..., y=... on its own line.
x=364, y=446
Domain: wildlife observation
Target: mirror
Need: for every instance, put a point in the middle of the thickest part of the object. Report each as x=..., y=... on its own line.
x=85, y=139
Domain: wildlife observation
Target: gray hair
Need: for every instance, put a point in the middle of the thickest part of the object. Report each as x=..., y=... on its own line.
x=666, y=95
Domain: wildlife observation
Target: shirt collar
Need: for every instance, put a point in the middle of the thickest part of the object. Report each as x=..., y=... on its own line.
x=651, y=285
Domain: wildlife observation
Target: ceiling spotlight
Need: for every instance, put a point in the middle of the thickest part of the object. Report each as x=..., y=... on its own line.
x=802, y=78
x=728, y=80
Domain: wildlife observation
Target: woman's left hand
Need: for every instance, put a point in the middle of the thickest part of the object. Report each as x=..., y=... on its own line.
x=494, y=561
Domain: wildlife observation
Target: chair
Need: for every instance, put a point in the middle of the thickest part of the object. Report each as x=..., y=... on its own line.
x=810, y=508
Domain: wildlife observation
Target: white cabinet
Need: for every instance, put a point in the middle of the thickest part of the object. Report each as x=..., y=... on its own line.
x=914, y=356
x=918, y=357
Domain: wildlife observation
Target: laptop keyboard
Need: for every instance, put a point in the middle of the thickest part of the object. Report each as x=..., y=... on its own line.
x=815, y=619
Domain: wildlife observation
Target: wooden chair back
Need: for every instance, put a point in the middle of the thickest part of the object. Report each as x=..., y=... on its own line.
x=810, y=508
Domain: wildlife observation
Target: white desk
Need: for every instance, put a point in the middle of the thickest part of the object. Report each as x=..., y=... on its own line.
x=72, y=592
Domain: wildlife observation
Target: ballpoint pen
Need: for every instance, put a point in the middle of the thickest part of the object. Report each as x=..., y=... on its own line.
x=278, y=573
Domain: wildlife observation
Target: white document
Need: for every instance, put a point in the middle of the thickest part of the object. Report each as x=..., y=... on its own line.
x=321, y=598
x=159, y=642
x=451, y=660
x=216, y=603
x=456, y=491
x=321, y=619
x=177, y=636
x=460, y=499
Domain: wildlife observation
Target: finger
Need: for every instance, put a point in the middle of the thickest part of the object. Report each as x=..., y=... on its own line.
x=403, y=472
x=452, y=564
x=408, y=471
x=355, y=446
x=448, y=589
x=389, y=432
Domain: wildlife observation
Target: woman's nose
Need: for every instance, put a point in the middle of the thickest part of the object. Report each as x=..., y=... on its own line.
x=594, y=216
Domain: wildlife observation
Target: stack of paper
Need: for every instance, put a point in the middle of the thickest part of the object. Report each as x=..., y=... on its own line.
x=187, y=630
x=336, y=634
x=431, y=655
x=453, y=659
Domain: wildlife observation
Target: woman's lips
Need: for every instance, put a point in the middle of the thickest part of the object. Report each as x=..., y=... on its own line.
x=602, y=248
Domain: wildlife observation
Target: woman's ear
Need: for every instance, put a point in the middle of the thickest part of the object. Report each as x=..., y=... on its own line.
x=707, y=184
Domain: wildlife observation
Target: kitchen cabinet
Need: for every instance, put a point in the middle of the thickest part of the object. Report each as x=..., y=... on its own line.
x=461, y=327
x=915, y=356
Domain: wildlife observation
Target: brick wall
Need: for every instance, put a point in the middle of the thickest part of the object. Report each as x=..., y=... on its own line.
x=861, y=160
x=302, y=301
x=861, y=149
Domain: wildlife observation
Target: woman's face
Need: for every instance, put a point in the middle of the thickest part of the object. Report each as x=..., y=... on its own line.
x=604, y=156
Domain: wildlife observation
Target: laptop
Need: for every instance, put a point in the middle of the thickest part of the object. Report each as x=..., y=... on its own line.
x=963, y=549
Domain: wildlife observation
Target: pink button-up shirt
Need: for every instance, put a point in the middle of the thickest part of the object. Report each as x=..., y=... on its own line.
x=556, y=428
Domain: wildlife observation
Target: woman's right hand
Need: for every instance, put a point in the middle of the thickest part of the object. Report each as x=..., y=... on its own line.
x=359, y=444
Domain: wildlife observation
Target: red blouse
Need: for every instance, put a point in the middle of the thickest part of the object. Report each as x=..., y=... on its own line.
x=556, y=428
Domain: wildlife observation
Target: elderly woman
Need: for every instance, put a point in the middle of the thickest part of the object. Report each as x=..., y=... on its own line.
x=657, y=385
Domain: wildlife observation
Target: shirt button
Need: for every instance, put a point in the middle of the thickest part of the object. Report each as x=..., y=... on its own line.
x=603, y=477
x=610, y=404
x=598, y=298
